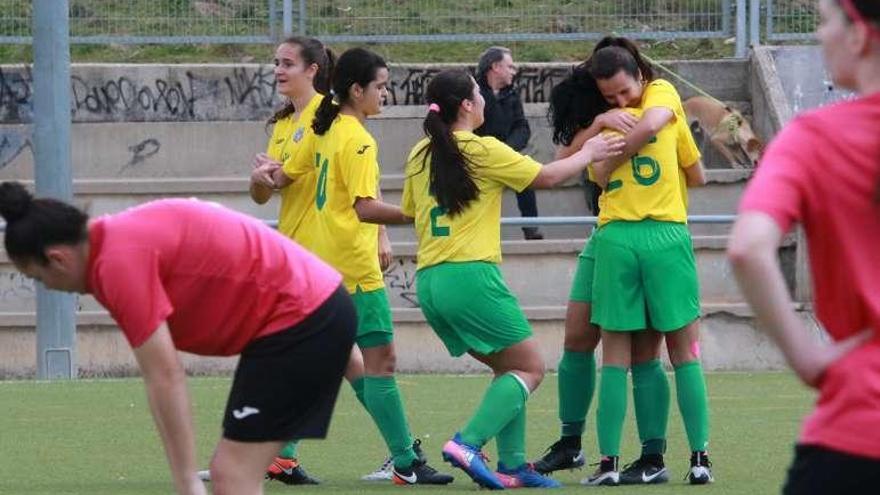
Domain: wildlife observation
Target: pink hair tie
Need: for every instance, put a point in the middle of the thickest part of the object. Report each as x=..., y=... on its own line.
x=433, y=107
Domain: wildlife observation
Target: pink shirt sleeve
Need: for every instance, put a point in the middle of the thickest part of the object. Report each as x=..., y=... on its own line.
x=131, y=290
x=779, y=185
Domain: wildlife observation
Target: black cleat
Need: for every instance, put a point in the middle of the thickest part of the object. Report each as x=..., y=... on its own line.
x=560, y=456
x=420, y=473
x=607, y=474
x=646, y=470
x=289, y=472
x=700, y=472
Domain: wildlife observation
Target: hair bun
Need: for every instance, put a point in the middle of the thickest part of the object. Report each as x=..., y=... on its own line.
x=15, y=201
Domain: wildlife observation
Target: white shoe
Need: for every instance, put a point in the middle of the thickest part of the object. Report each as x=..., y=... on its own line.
x=204, y=475
x=383, y=473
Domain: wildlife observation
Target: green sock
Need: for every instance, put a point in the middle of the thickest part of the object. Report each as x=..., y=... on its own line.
x=382, y=398
x=612, y=409
x=511, y=441
x=358, y=386
x=693, y=402
x=289, y=450
x=577, y=381
x=503, y=401
x=651, y=401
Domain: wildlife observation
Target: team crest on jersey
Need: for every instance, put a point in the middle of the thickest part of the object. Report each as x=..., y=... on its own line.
x=298, y=135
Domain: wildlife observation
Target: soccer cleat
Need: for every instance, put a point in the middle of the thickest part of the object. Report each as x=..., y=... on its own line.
x=700, y=472
x=204, y=475
x=606, y=475
x=472, y=461
x=646, y=470
x=524, y=476
x=289, y=472
x=420, y=473
x=560, y=456
x=381, y=473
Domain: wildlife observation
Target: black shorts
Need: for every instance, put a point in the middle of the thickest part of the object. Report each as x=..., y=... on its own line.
x=285, y=385
x=819, y=470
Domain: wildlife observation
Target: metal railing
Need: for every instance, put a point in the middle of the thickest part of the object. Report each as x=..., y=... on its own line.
x=262, y=21
x=580, y=220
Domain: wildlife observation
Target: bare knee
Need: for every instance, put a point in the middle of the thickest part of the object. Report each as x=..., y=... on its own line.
x=380, y=360
x=580, y=334
x=683, y=345
x=646, y=346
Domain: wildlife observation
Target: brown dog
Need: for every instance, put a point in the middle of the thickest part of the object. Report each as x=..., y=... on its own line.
x=726, y=129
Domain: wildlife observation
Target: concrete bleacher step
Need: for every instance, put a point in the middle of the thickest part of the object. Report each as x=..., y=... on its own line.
x=227, y=148
x=108, y=195
x=538, y=272
x=728, y=337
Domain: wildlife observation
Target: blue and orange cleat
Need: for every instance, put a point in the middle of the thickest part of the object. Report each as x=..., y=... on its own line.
x=472, y=461
x=524, y=476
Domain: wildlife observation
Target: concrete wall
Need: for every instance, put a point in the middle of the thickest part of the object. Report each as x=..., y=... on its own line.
x=213, y=92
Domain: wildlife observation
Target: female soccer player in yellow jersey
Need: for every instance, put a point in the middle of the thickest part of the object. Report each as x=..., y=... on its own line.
x=579, y=111
x=645, y=269
x=302, y=72
x=342, y=229
x=453, y=187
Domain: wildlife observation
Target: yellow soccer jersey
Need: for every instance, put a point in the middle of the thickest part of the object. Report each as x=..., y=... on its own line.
x=291, y=143
x=346, y=167
x=650, y=184
x=475, y=233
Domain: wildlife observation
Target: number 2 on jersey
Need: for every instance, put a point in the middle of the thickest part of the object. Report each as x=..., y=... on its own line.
x=436, y=229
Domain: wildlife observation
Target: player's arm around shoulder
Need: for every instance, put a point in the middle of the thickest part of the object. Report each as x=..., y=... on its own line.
x=165, y=382
x=695, y=174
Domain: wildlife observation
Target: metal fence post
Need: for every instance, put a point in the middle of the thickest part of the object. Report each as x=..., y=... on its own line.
x=56, y=327
x=741, y=24
x=287, y=17
x=768, y=18
x=755, y=22
x=302, y=17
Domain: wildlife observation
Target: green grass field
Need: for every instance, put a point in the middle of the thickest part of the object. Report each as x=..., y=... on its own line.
x=97, y=437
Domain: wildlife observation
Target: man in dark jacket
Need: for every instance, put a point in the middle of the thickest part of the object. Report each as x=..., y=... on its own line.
x=504, y=117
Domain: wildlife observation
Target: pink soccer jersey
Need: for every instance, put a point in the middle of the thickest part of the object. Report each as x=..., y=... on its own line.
x=822, y=171
x=219, y=278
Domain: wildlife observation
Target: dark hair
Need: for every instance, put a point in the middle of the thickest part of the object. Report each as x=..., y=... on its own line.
x=33, y=224
x=355, y=66
x=451, y=182
x=870, y=11
x=612, y=55
x=492, y=55
x=574, y=104
x=311, y=51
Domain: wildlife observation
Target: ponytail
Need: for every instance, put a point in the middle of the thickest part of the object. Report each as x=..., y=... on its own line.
x=325, y=115
x=356, y=66
x=451, y=180
x=34, y=224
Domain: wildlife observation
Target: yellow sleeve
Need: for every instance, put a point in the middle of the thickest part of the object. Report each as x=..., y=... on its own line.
x=276, y=141
x=499, y=162
x=687, y=149
x=302, y=153
x=413, y=165
x=360, y=167
x=660, y=93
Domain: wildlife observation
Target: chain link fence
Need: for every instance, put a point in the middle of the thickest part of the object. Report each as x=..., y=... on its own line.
x=786, y=20
x=263, y=21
